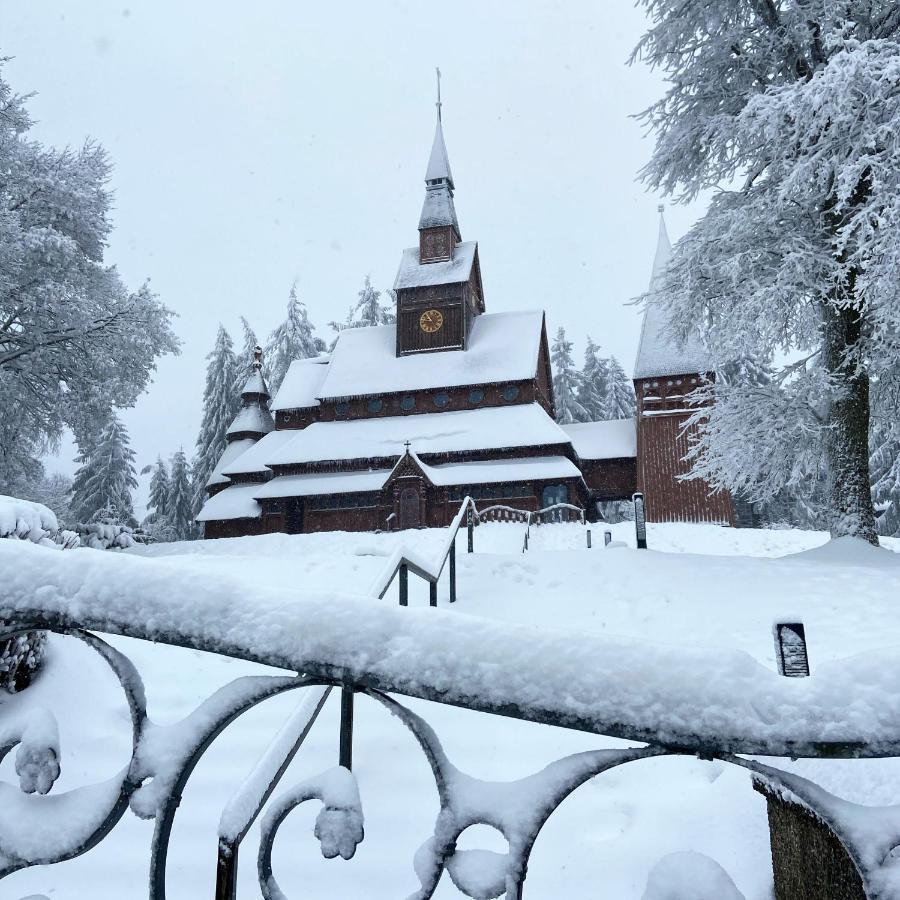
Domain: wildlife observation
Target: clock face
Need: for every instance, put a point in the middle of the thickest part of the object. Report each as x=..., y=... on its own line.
x=431, y=321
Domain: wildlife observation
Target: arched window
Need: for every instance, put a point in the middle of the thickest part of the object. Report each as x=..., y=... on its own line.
x=341, y=408
x=375, y=405
x=476, y=395
x=408, y=402
x=441, y=399
x=510, y=393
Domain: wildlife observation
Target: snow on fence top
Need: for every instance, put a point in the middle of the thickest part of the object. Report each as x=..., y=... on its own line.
x=502, y=347
x=614, y=439
x=693, y=698
x=301, y=385
x=523, y=425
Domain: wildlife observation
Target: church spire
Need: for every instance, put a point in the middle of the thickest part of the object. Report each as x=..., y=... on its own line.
x=660, y=352
x=438, y=210
x=438, y=170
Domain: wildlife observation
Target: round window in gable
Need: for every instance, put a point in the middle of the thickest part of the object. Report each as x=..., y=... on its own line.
x=375, y=405
x=476, y=395
x=510, y=393
x=342, y=408
x=441, y=399
x=408, y=402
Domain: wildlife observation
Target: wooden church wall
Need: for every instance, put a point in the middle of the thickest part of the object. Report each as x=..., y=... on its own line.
x=611, y=479
x=662, y=449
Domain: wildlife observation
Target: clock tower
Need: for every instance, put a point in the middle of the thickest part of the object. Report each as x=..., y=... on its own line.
x=438, y=286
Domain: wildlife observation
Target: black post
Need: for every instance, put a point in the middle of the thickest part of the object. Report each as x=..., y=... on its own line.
x=607, y=537
x=640, y=522
x=589, y=538
x=226, y=871
x=453, y=571
x=345, y=754
x=403, y=575
x=432, y=593
x=470, y=527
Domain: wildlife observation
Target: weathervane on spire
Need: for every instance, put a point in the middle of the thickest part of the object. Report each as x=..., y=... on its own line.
x=438, y=104
x=661, y=208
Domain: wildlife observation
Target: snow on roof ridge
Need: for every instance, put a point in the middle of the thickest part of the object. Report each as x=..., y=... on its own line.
x=413, y=273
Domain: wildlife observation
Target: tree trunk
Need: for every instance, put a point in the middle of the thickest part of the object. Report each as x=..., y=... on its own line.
x=847, y=436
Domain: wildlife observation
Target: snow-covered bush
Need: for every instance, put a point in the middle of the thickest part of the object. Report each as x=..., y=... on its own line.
x=688, y=874
x=23, y=520
x=106, y=534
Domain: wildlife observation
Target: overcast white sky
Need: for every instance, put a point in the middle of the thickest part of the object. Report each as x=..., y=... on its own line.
x=258, y=142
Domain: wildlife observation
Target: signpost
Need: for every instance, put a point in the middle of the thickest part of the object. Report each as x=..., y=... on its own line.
x=640, y=522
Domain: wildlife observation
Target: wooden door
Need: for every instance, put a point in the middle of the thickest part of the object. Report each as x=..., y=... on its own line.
x=410, y=508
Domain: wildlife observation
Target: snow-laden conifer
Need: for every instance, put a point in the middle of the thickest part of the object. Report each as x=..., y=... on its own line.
x=620, y=392
x=566, y=382
x=794, y=109
x=180, y=505
x=221, y=403
x=293, y=339
x=75, y=342
x=160, y=491
x=592, y=385
x=245, y=358
x=105, y=477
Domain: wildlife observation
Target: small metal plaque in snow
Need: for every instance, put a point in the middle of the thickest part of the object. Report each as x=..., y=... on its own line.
x=790, y=649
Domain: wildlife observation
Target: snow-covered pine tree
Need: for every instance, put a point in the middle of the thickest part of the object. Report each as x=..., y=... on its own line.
x=221, y=403
x=70, y=330
x=592, y=384
x=566, y=382
x=160, y=492
x=619, y=394
x=885, y=466
x=105, y=477
x=369, y=310
x=802, y=255
x=293, y=339
x=180, y=504
x=245, y=358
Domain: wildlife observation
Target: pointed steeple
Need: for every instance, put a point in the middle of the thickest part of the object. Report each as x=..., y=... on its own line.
x=438, y=210
x=663, y=248
x=659, y=351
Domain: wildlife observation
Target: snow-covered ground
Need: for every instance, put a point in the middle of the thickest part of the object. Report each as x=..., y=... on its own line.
x=700, y=586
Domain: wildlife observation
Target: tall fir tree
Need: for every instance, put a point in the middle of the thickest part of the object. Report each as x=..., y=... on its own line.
x=797, y=258
x=885, y=465
x=180, y=503
x=367, y=311
x=619, y=393
x=221, y=403
x=246, y=358
x=293, y=339
x=160, y=493
x=593, y=384
x=566, y=382
x=105, y=478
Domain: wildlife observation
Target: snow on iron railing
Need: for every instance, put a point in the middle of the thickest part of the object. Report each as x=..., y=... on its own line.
x=705, y=701
x=642, y=689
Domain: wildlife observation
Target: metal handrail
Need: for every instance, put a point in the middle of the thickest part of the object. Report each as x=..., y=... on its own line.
x=403, y=560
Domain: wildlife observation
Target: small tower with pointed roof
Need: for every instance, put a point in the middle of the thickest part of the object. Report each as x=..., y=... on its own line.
x=252, y=423
x=666, y=370
x=438, y=284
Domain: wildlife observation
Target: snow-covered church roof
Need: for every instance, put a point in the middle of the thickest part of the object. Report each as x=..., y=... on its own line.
x=502, y=347
x=301, y=384
x=659, y=352
x=413, y=273
x=493, y=428
x=613, y=439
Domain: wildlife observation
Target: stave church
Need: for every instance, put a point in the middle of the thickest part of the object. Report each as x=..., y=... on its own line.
x=399, y=423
